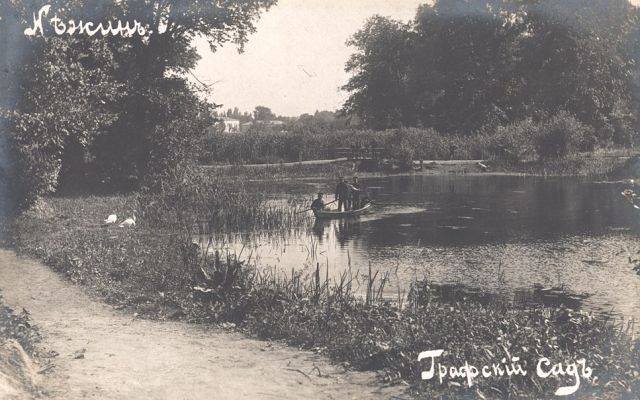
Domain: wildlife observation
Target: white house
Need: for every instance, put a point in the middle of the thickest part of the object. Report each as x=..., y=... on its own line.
x=230, y=124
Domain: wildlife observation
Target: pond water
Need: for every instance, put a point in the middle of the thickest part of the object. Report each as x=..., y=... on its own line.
x=548, y=240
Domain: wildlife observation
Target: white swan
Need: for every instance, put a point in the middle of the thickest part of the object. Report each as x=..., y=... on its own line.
x=128, y=222
x=111, y=219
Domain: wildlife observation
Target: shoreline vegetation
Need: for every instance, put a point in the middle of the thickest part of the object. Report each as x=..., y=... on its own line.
x=560, y=147
x=590, y=165
x=157, y=271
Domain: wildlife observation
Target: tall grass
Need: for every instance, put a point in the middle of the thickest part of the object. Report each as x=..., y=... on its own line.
x=273, y=147
x=542, y=144
x=201, y=202
x=316, y=312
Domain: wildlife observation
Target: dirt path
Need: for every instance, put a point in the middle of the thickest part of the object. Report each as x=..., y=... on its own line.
x=338, y=160
x=282, y=164
x=127, y=358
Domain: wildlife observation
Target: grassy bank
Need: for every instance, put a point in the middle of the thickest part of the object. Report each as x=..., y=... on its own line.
x=600, y=163
x=154, y=268
x=146, y=268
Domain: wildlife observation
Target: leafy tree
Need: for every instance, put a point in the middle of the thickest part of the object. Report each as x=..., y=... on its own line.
x=174, y=141
x=109, y=100
x=380, y=65
x=465, y=66
x=463, y=71
x=319, y=122
x=53, y=106
x=262, y=113
x=574, y=59
x=145, y=64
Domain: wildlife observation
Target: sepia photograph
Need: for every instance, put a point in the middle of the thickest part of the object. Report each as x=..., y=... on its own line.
x=319, y=199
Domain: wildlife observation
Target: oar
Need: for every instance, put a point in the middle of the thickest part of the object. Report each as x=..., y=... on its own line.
x=309, y=209
x=386, y=204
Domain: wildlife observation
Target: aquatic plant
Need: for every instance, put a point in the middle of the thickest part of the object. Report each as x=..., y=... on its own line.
x=199, y=202
x=326, y=315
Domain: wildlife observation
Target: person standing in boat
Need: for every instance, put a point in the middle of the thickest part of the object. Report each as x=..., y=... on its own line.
x=342, y=194
x=318, y=203
x=629, y=193
x=356, y=192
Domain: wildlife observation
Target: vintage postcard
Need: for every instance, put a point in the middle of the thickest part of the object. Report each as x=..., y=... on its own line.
x=319, y=199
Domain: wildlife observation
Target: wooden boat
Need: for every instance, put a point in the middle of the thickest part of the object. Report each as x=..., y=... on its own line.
x=331, y=214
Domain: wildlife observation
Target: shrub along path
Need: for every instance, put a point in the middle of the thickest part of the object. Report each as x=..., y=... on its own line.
x=107, y=354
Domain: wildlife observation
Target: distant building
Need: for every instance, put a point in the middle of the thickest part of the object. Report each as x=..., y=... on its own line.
x=223, y=124
x=230, y=124
x=271, y=123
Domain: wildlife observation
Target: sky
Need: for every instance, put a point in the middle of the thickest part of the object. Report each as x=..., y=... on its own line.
x=294, y=63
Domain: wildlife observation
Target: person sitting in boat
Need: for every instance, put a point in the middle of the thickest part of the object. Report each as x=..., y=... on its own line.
x=342, y=194
x=318, y=203
x=630, y=195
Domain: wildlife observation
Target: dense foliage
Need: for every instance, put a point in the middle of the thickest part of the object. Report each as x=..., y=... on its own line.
x=465, y=65
x=525, y=140
x=109, y=110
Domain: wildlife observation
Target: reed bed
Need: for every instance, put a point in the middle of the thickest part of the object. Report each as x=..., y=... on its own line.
x=203, y=202
x=313, y=311
x=274, y=147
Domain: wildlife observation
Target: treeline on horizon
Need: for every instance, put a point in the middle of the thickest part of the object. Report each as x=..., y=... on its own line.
x=462, y=66
x=505, y=79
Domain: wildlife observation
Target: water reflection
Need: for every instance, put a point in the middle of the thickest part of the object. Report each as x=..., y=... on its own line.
x=552, y=241
x=551, y=297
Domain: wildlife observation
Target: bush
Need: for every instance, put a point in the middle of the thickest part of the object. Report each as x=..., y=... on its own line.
x=402, y=150
x=513, y=142
x=563, y=134
x=193, y=197
x=18, y=327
